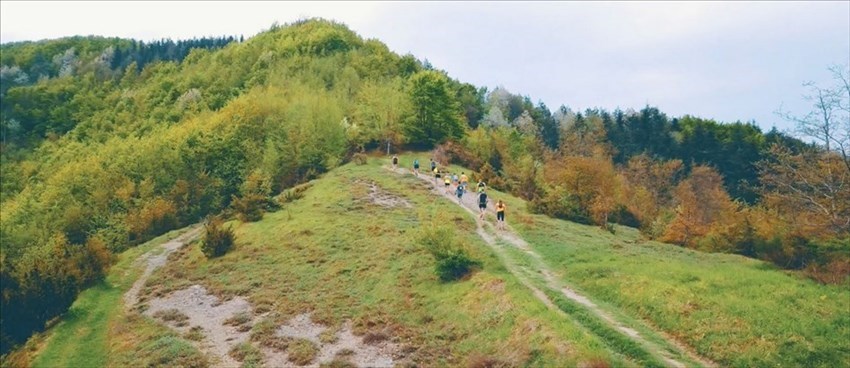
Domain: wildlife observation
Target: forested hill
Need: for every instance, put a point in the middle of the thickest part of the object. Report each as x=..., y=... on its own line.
x=107, y=143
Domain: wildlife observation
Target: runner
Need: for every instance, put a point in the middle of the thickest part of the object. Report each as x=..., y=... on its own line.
x=482, y=204
x=454, y=179
x=459, y=193
x=448, y=182
x=433, y=165
x=436, y=174
x=500, y=215
x=481, y=186
x=395, y=162
x=416, y=167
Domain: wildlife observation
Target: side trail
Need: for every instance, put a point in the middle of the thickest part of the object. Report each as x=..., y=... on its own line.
x=491, y=236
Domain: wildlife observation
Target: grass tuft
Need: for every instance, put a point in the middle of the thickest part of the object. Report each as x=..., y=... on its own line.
x=241, y=320
x=196, y=333
x=246, y=353
x=175, y=316
x=302, y=351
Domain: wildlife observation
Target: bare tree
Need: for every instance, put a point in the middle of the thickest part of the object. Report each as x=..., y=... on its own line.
x=828, y=123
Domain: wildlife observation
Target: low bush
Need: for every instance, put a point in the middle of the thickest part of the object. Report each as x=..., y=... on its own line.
x=250, y=207
x=217, y=239
x=452, y=260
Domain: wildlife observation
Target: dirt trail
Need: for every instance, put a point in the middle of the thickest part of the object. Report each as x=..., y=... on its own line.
x=488, y=233
x=157, y=260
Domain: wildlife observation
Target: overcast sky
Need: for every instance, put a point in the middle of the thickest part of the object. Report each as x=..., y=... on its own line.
x=723, y=60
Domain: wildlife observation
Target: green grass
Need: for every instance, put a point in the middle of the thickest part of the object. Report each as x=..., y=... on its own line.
x=732, y=309
x=338, y=255
x=83, y=336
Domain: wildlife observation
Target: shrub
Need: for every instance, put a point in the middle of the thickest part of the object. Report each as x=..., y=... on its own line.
x=454, y=153
x=837, y=271
x=452, y=260
x=558, y=203
x=217, y=239
x=295, y=193
x=154, y=217
x=256, y=191
x=360, y=158
x=250, y=207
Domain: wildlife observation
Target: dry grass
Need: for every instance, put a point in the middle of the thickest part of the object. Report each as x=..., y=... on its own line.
x=263, y=333
x=372, y=338
x=246, y=353
x=174, y=316
x=338, y=363
x=196, y=333
x=302, y=351
x=242, y=321
x=485, y=361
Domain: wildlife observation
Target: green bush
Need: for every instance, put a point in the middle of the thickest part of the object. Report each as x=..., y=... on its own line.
x=452, y=260
x=217, y=239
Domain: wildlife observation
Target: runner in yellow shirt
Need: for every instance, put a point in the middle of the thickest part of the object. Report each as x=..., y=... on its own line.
x=500, y=215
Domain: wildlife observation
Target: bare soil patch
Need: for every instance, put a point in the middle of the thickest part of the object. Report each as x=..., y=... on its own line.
x=383, y=198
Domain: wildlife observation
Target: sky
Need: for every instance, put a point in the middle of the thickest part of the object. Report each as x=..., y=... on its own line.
x=728, y=61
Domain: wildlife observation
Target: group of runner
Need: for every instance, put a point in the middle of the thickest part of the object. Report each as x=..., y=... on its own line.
x=461, y=183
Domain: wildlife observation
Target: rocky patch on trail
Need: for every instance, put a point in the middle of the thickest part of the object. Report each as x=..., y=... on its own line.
x=222, y=325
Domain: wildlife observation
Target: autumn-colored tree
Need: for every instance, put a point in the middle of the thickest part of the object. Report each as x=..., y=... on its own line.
x=702, y=206
x=649, y=186
x=584, y=189
x=810, y=189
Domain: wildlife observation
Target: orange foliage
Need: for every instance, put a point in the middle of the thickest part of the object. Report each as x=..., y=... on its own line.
x=811, y=190
x=703, y=207
x=155, y=217
x=590, y=184
x=649, y=186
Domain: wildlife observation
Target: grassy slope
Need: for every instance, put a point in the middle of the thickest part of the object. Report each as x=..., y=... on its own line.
x=313, y=255
x=732, y=309
x=85, y=336
x=342, y=257
x=737, y=311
